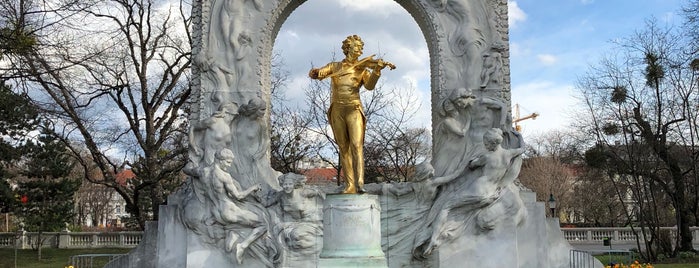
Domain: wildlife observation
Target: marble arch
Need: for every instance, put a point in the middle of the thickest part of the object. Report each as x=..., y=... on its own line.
x=447, y=25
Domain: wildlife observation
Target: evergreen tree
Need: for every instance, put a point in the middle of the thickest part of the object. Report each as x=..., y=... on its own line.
x=18, y=118
x=48, y=186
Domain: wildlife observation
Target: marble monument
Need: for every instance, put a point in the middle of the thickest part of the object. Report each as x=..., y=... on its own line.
x=462, y=209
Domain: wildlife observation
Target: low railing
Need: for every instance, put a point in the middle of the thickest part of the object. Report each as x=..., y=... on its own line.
x=618, y=234
x=75, y=240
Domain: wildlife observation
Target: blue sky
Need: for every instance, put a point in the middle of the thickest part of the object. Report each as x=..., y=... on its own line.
x=552, y=42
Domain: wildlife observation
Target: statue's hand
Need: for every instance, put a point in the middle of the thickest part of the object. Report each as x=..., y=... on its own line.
x=313, y=74
x=380, y=64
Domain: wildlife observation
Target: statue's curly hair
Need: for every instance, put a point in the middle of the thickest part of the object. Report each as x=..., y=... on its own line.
x=348, y=41
x=224, y=153
x=493, y=134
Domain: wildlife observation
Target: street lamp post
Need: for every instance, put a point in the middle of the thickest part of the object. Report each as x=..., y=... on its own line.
x=552, y=205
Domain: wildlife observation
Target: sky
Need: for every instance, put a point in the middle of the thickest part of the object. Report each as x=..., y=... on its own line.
x=552, y=43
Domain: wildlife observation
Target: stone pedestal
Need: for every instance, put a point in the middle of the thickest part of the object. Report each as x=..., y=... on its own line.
x=497, y=248
x=532, y=240
x=172, y=239
x=352, y=232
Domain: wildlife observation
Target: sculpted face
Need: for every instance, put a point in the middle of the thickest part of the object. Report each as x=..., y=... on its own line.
x=288, y=185
x=226, y=162
x=491, y=144
x=464, y=98
x=354, y=50
x=261, y=111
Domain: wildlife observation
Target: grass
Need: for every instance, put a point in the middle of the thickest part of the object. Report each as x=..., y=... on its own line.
x=50, y=257
x=606, y=259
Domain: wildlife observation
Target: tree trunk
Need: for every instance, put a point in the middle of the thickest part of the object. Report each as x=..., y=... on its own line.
x=683, y=223
x=38, y=244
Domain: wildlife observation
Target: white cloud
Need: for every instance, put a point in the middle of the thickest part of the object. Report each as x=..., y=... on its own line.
x=292, y=34
x=547, y=59
x=553, y=102
x=515, y=14
x=668, y=17
x=384, y=7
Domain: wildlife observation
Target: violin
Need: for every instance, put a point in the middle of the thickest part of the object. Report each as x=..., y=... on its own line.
x=370, y=62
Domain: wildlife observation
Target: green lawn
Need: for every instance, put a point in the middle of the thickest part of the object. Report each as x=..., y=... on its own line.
x=51, y=257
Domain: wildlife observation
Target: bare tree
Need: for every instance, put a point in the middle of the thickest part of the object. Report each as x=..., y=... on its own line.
x=113, y=75
x=553, y=166
x=640, y=107
x=93, y=202
x=691, y=28
x=594, y=199
x=547, y=175
x=291, y=142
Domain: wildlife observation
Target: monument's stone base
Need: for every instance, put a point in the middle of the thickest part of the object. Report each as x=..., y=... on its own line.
x=370, y=262
x=170, y=232
x=496, y=249
x=540, y=242
x=143, y=254
x=352, y=235
x=532, y=239
x=352, y=232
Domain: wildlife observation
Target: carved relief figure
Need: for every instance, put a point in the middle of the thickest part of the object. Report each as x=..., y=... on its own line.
x=481, y=192
x=233, y=16
x=424, y=184
x=467, y=38
x=492, y=67
x=294, y=199
x=223, y=59
x=494, y=164
x=465, y=113
x=346, y=115
x=485, y=113
x=250, y=148
x=226, y=195
x=216, y=135
x=249, y=135
x=450, y=141
x=220, y=77
x=407, y=203
x=298, y=229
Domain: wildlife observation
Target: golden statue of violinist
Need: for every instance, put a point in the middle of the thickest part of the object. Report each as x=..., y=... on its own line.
x=346, y=115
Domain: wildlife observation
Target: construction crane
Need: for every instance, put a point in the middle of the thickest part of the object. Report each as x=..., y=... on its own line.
x=517, y=118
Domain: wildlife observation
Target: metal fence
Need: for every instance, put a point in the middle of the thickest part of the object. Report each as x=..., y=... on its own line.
x=581, y=259
x=92, y=260
x=587, y=259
